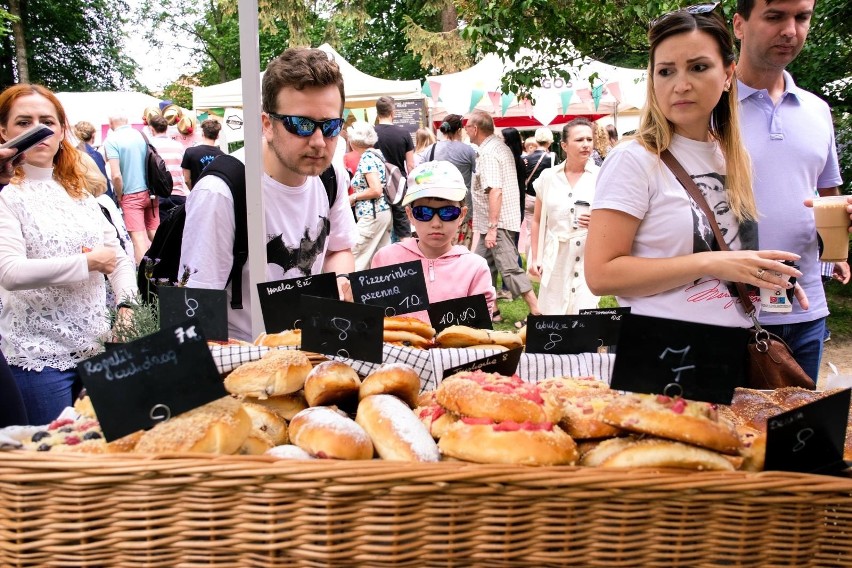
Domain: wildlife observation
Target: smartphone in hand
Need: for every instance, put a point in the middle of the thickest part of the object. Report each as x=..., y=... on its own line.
x=28, y=139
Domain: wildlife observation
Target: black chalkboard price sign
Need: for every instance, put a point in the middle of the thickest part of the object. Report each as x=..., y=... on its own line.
x=809, y=439
x=332, y=327
x=693, y=360
x=565, y=335
x=505, y=363
x=471, y=311
x=399, y=288
x=280, y=301
x=138, y=384
x=209, y=307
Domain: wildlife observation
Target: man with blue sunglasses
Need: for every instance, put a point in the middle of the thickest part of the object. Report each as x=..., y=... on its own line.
x=302, y=100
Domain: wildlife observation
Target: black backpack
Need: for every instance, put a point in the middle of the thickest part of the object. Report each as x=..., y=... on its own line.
x=159, y=179
x=166, y=245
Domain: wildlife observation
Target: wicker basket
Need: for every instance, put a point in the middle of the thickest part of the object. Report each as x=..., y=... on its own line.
x=193, y=510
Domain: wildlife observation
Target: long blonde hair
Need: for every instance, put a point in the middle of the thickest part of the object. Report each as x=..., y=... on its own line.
x=424, y=138
x=655, y=131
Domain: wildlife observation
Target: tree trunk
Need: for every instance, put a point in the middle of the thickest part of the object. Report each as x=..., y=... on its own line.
x=20, y=44
x=449, y=17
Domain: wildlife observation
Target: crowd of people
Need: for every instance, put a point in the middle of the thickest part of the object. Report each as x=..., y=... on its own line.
x=609, y=219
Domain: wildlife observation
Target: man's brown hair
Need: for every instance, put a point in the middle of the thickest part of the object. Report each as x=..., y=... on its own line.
x=299, y=68
x=158, y=124
x=384, y=106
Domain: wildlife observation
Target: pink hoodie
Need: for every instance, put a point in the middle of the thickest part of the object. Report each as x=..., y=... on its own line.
x=455, y=274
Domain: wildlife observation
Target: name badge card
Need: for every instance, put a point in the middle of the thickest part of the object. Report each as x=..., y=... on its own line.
x=209, y=307
x=280, y=301
x=566, y=335
x=138, y=384
x=505, y=363
x=471, y=311
x=693, y=360
x=399, y=288
x=809, y=439
x=332, y=327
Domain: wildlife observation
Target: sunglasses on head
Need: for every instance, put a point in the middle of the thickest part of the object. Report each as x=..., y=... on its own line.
x=445, y=213
x=695, y=10
x=304, y=126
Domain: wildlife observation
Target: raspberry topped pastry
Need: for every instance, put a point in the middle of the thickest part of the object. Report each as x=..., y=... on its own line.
x=490, y=395
x=692, y=422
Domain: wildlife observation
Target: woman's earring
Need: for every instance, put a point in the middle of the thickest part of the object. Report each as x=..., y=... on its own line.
x=727, y=86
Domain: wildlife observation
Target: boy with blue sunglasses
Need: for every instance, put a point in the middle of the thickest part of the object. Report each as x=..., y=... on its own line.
x=434, y=203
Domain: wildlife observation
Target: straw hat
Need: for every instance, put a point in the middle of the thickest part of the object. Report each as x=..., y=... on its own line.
x=172, y=114
x=150, y=113
x=185, y=125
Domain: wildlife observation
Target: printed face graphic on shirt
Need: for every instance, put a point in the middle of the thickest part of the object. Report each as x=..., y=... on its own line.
x=303, y=255
x=737, y=235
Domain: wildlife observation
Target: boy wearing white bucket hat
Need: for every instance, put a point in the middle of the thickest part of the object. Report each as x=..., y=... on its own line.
x=434, y=204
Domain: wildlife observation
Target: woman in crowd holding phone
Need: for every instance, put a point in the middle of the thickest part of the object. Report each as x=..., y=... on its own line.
x=368, y=199
x=55, y=247
x=559, y=226
x=642, y=244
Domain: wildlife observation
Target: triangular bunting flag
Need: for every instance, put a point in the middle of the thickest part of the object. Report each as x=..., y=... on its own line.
x=435, y=89
x=585, y=95
x=597, y=93
x=566, y=100
x=426, y=89
x=346, y=113
x=475, y=96
x=495, y=100
x=505, y=101
x=614, y=89
x=526, y=104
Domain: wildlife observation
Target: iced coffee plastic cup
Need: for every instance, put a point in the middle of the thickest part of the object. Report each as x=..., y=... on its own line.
x=832, y=223
x=580, y=208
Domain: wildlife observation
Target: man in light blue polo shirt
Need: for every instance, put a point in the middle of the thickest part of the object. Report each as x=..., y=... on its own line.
x=126, y=150
x=790, y=136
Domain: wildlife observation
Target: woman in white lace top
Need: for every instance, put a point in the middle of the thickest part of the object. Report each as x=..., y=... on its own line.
x=55, y=247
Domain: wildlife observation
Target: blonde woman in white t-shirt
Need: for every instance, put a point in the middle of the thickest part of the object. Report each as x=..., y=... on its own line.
x=647, y=240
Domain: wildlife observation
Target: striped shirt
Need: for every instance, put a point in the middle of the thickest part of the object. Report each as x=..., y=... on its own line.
x=171, y=151
x=495, y=167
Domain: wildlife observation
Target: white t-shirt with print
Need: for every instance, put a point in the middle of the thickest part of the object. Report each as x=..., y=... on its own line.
x=636, y=182
x=300, y=229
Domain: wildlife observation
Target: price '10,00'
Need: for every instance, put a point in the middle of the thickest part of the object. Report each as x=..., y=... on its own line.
x=450, y=318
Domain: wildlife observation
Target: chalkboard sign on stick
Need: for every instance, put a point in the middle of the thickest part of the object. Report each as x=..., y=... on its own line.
x=809, y=439
x=693, y=360
x=505, y=363
x=332, y=327
x=136, y=385
x=209, y=307
x=280, y=301
x=399, y=288
x=471, y=311
x=567, y=335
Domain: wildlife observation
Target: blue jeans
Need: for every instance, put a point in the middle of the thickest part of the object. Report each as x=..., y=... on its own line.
x=46, y=393
x=805, y=341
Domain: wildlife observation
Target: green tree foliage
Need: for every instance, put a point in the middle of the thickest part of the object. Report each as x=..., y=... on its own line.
x=72, y=45
x=209, y=31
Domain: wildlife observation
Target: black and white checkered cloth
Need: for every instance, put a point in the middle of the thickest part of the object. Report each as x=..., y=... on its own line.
x=430, y=363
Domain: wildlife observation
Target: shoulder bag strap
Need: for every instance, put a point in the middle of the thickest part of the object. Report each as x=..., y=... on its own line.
x=532, y=173
x=692, y=189
x=432, y=153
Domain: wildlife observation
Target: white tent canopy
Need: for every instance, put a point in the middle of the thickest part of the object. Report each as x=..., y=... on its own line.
x=360, y=88
x=97, y=107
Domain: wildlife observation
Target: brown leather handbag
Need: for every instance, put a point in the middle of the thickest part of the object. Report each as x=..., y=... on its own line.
x=771, y=364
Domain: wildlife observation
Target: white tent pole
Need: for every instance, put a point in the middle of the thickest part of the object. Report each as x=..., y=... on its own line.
x=250, y=69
